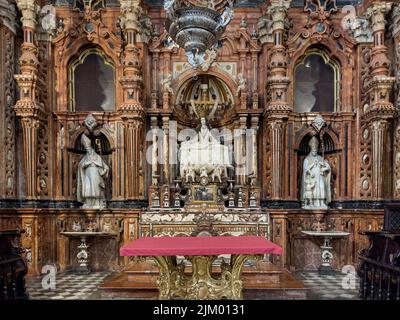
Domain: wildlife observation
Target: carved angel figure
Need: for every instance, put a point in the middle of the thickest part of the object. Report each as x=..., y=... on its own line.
x=211, y=56
x=242, y=84
x=167, y=84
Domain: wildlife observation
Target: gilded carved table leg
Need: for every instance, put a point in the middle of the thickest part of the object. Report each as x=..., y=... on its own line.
x=170, y=282
x=237, y=263
x=201, y=284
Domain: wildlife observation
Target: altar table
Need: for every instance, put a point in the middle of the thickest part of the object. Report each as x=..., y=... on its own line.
x=173, y=282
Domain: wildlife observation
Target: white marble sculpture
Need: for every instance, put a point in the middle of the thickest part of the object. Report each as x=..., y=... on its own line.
x=92, y=176
x=203, y=155
x=316, y=187
x=242, y=84
x=167, y=84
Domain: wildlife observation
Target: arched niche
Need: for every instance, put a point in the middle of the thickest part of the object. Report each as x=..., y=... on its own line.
x=316, y=82
x=211, y=96
x=91, y=82
x=100, y=144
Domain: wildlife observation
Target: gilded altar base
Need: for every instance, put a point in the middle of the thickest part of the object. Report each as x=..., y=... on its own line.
x=201, y=284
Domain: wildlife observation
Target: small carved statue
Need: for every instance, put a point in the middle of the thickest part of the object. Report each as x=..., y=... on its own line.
x=190, y=174
x=217, y=173
x=242, y=86
x=76, y=226
x=107, y=225
x=92, y=176
x=316, y=188
x=241, y=198
x=211, y=56
x=167, y=84
x=203, y=172
x=92, y=226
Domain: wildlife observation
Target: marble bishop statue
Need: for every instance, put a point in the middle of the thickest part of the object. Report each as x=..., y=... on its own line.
x=92, y=176
x=316, y=186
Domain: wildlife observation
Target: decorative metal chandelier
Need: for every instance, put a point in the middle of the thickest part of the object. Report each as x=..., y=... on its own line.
x=197, y=25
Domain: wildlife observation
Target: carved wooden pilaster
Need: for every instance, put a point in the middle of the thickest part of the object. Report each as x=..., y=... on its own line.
x=379, y=131
x=254, y=154
x=29, y=240
x=28, y=107
x=155, y=80
x=278, y=82
x=380, y=109
x=279, y=235
x=380, y=86
x=166, y=54
x=8, y=175
x=131, y=109
x=396, y=162
x=154, y=150
x=240, y=151
x=395, y=28
x=133, y=142
x=132, y=81
x=395, y=31
x=30, y=128
x=165, y=154
x=277, y=129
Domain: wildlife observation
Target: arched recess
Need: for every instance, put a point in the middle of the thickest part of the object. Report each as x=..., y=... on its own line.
x=316, y=82
x=225, y=77
x=228, y=47
x=341, y=53
x=220, y=88
x=68, y=48
x=91, y=82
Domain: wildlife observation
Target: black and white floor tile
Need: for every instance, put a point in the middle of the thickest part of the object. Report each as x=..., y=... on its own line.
x=71, y=286
x=337, y=286
x=68, y=286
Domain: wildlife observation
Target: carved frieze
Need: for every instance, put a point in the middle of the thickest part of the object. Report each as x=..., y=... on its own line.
x=396, y=162
x=7, y=97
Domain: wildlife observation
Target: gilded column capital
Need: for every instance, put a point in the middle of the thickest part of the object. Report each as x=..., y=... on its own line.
x=376, y=14
x=278, y=11
x=130, y=15
x=29, y=10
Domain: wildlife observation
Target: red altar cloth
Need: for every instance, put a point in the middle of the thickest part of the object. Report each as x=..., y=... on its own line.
x=199, y=246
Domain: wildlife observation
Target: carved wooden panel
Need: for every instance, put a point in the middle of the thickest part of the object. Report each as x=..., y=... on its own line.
x=7, y=116
x=365, y=162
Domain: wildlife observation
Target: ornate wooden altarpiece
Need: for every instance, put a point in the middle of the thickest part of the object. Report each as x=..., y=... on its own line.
x=252, y=72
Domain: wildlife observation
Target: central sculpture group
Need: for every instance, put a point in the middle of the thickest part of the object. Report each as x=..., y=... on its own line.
x=204, y=157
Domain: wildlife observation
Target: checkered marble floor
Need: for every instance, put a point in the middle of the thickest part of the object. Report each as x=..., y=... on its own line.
x=71, y=286
x=337, y=286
